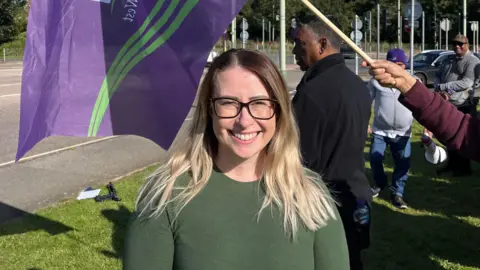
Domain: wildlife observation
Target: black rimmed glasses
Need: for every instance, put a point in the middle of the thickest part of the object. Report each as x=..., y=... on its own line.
x=262, y=108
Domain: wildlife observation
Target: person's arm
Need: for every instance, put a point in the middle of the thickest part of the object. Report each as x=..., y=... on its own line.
x=371, y=88
x=456, y=130
x=373, y=93
x=311, y=122
x=465, y=82
x=330, y=248
x=149, y=243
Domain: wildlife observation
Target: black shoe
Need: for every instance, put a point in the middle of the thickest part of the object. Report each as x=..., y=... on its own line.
x=398, y=201
x=375, y=191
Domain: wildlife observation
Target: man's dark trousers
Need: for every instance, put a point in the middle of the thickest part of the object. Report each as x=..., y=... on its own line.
x=358, y=237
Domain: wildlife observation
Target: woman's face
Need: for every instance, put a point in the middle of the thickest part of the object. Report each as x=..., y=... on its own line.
x=241, y=137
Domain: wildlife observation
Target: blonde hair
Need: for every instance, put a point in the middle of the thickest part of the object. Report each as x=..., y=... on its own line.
x=296, y=191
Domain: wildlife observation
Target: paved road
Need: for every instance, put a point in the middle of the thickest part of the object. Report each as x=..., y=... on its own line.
x=58, y=175
x=52, y=175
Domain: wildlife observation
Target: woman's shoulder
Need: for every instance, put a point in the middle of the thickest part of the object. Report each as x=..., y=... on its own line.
x=151, y=192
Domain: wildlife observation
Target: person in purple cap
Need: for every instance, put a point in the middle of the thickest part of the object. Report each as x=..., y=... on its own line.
x=392, y=126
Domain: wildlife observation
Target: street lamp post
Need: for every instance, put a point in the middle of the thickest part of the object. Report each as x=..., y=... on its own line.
x=283, y=34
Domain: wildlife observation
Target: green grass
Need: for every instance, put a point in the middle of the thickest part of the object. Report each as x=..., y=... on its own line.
x=441, y=230
x=14, y=50
x=71, y=235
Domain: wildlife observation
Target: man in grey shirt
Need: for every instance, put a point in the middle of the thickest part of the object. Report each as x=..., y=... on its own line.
x=392, y=127
x=455, y=83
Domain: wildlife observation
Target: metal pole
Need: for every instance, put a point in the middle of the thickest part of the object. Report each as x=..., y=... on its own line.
x=355, y=40
x=423, y=31
x=447, y=27
x=412, y=30
x=472, y=42
x=476, y=37
x=283, y=34
x=365, y=41
x=440, y=37
x=459, y=20
x=465, y=17
x=244, y=40
x=378, y=29
x=4, y=55
x=234, y=33
x=435, y=30
x=273, y=32
x=399, y=25
x=370, y=32
x=269, y=31
x=474, y=33
x=263, y=34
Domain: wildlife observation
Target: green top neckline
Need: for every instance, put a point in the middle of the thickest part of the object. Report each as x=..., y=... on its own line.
x=218, y=171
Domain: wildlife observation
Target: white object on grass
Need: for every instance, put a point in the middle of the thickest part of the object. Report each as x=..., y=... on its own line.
x=89, y=194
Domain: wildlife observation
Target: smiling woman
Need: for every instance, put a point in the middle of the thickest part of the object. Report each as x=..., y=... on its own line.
x=203, y=208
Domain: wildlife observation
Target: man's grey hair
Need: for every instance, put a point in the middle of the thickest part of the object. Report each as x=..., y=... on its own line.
x=320, y=29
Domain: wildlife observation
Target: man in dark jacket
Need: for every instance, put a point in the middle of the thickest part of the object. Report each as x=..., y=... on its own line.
x=332, y=106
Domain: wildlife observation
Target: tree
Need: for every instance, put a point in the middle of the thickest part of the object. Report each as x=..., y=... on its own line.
x=344, y=11
x=9, y=11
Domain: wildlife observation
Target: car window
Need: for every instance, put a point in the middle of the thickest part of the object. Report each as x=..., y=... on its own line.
x=444, y=59
x=426, y=58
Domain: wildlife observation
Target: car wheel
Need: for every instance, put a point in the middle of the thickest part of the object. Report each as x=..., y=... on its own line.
x=422, y=78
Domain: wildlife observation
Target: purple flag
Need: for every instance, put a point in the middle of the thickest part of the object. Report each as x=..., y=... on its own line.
x=113, y=67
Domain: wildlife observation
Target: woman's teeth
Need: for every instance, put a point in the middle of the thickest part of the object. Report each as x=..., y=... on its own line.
x=245, y=137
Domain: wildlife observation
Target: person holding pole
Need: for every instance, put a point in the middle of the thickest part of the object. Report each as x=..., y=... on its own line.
x=457, y=130
x=332, y=107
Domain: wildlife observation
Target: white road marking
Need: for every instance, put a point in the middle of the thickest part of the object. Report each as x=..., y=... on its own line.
x=56, y=151
x=11, y=95
x=11, y=69
x=9, y=84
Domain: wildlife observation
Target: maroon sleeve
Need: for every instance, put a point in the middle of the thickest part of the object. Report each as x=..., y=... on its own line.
x=456, y=130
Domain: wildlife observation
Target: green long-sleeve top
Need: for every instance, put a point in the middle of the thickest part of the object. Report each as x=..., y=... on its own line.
x=219, y=230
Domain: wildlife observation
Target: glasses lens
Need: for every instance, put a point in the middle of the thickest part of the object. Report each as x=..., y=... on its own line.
x=226, y=107
x=460, y=44
x=262, y=109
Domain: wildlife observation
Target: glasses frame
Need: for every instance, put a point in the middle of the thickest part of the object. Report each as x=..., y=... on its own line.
x=245, y=104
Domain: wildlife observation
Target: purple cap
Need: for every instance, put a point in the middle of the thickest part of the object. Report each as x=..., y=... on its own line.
x=397, y=55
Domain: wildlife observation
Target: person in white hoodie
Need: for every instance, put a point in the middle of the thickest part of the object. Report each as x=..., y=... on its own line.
x=392, y=126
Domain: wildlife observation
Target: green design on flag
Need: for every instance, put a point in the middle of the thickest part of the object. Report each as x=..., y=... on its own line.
x=115, y=76
x=120, y=58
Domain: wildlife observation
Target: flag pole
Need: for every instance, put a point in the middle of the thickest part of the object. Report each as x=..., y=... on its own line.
x=338, y=32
